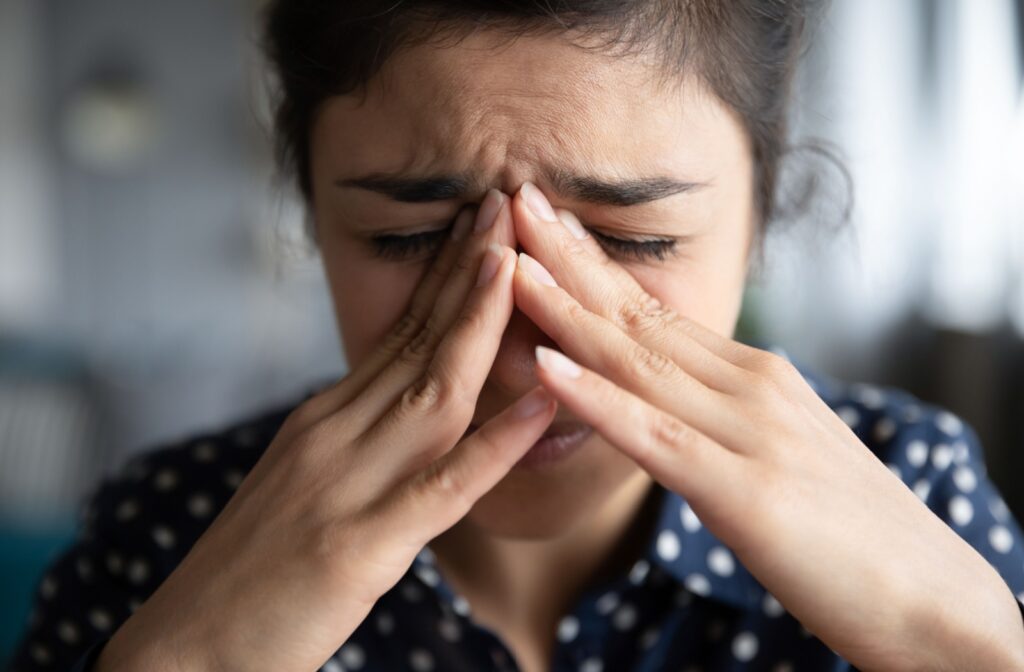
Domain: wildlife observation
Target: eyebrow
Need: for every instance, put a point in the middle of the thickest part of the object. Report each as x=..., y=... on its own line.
x=582, y=188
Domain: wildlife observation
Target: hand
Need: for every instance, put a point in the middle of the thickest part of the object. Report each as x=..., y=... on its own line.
x=358, y=479
x=765, y=464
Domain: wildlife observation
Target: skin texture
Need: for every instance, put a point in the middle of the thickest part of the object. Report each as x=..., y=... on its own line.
x=672, y=396
x=504, y=115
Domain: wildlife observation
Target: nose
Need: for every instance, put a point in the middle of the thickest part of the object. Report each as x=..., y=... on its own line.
x=512, y=373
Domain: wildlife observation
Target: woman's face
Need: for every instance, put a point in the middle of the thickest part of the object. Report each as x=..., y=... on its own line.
x=502, y=115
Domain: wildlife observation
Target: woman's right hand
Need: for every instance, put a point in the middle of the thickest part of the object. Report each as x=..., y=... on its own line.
x=358, y=479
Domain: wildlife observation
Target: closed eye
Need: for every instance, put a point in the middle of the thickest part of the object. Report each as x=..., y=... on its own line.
x=394, y=247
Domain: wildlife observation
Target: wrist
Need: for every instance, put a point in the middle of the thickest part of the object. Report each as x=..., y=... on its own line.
x=977, y=626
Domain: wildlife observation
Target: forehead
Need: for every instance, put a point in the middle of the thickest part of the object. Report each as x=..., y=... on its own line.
x=505, y=108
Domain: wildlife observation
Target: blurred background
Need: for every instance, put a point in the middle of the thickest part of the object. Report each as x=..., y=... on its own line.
x=155, y=280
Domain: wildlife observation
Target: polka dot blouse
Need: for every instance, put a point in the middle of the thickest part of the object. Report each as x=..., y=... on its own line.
x=686, y=603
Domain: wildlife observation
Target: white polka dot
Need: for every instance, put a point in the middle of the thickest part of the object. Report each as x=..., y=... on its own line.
x=917, y=453
x=100, y=619
x=126, y=510
x=592, y=664
x=163, y=536
x=233, y=478
x=568, y=628
x=40, y=654
x=352, y=655
x=606, y=603
x=668, y=545
x=784, y=666
x=965, y=479
x=421, y=660
x=744, y=646
x=698, y=584
x=650, y=637
x=948, y=423
x=67, y=632
x=772, y=607
x=912, y=413
x=428, y=575
x=199, y=505
x=624, y=617
x=884, y=429
x=869, y=396
x=138, y=571
x=639, y=571
x=895, y=469
x=922, y=489
x=961, y=452
x=426, y=555
x=48, y=587
x=691, y=523
x=204, y=451
x=332, y=666
x=720, y=561
x=942, y=456
x=449, y=629
x=460, y=605
x=1000, y=538
x=165, y=480
x=849, y=415
x=385, y=623
x=961, y=511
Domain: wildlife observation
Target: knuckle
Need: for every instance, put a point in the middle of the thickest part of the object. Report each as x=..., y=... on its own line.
x=444, y=481
x=421, y=346
x=406, y=327
x=649, y=363
x=774, y=367
x=668, y=432
x=642, y=315
x=430, y=394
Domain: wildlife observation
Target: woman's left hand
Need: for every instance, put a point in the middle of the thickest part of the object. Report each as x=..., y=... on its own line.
x=846, y=547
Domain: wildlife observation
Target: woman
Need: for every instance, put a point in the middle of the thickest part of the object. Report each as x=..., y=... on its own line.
x=559, y=460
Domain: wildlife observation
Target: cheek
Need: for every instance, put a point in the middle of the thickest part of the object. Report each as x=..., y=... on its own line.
x=705, y=286
x=369, y=298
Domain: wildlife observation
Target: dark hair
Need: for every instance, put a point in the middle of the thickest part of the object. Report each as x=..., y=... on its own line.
x=745, y=51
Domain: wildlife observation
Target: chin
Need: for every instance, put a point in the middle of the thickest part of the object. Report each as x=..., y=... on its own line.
x=539, y=504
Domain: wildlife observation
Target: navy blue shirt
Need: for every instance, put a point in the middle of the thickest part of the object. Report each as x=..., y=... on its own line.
x=686, y=602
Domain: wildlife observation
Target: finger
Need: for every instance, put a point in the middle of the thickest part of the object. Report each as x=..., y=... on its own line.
x=420, y=305
x=441, y=401
x=580, y=265
x=672, y=451
x=600, y=345
x=445, y=490
x=492, y=225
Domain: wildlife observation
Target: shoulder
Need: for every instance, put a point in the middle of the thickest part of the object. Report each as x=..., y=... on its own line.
x=158, y=502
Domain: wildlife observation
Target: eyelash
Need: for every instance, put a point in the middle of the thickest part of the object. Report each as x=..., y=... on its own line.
x=398, y=248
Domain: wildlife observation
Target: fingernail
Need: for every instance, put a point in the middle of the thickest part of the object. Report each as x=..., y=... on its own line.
x=532, y=404
x=557, y=363
x=462, y=223
x=535, y=270
x=537, y=202
x=488, y=210
x=489, y=266
x=573, y=224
